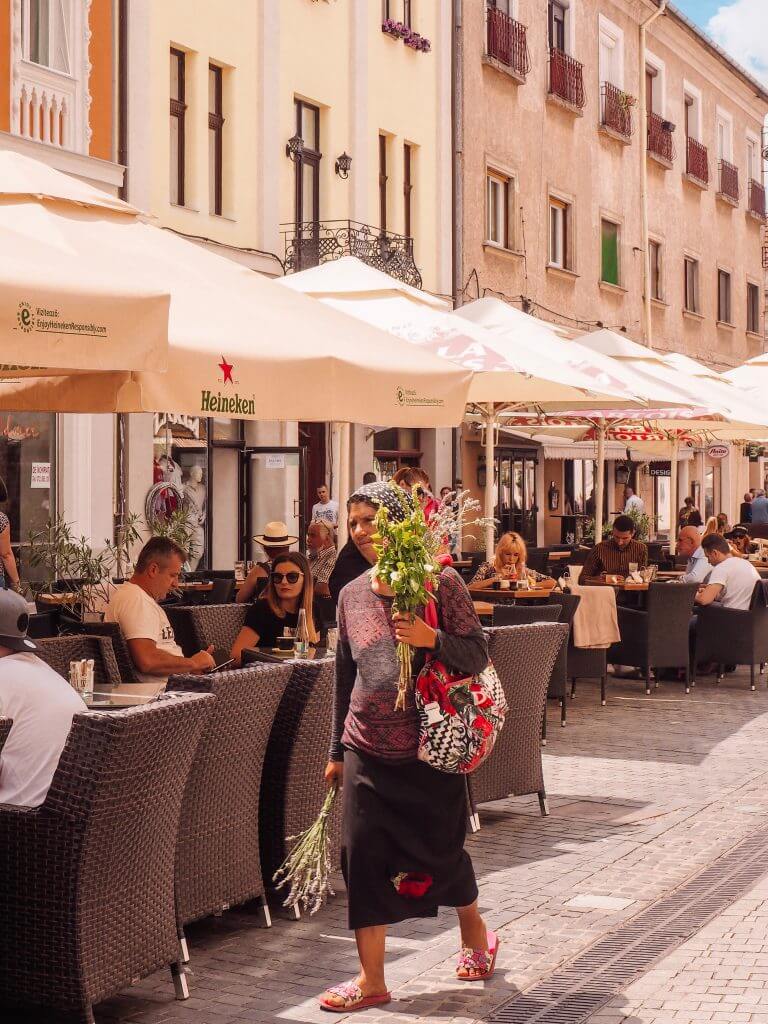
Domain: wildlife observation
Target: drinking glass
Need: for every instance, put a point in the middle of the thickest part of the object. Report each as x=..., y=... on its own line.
x=331, y=640
x=633, y=567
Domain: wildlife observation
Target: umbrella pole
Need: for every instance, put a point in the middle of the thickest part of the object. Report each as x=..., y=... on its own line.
x=600, y=481
x=490, y=466
x=675, y=443
x=344, y=487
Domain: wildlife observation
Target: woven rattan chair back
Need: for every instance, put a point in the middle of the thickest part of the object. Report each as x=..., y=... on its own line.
x=59, y=651
x=5, y=728
x=292, y=786
x=198, y=626
x=125, y=665
x=524, y=657
x=87, y=887
x=217, y=858
x=670, y=606
x=522, y=614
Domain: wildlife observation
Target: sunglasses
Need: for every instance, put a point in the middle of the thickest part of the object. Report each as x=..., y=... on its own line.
x=289, y=577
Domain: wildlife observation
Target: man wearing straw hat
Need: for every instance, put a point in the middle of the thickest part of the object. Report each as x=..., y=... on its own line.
x=41, y=704
x=276, y=542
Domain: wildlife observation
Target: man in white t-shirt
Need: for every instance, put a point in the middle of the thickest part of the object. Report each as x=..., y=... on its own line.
x=144, y=624
x=41, y=704
x=732, y=580
x=633, y=502
x=325, y=507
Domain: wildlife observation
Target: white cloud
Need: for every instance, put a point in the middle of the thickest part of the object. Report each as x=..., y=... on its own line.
x=741, y=28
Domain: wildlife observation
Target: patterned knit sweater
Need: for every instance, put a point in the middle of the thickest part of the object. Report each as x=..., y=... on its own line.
x=367, y=669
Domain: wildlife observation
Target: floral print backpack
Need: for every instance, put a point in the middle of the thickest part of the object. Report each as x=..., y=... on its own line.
x=460, y=717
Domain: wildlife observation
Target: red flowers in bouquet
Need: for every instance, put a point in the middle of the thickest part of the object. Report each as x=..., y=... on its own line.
x=412, y=884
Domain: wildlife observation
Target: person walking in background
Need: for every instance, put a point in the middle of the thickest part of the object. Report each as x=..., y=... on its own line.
x=325, y=507
x=745, y=509
x=632, y=502
x=689, y=515
x=9, y=572
x=760, y=507
x=404, y=822
x=411, y=476
x=369, y=477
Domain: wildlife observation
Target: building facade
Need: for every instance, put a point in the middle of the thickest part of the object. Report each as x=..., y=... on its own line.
x=59, y=85
x=280, y=134
x=575, y=196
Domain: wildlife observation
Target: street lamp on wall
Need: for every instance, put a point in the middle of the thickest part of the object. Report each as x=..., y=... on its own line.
x=294, y=147
x=343, y=164
x=622, y=474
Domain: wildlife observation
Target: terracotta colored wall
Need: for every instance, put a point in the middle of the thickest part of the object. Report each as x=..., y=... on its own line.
x=5, y=65
x=102, y=54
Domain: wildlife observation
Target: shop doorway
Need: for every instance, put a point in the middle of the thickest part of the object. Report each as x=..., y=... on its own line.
x=516, y=505
x=313, y=437
x=274, y=488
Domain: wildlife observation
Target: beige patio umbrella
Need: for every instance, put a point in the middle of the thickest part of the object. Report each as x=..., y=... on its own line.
x=505, y=375
x=239, y=345
x=66, y=300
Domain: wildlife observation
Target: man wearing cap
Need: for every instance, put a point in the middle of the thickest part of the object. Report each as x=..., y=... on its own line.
x=276, y=542
x=41, y=704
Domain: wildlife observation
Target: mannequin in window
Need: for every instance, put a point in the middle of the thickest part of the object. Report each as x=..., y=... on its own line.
x=195, y=503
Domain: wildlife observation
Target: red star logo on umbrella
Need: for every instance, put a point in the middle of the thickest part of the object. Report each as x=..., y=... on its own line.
x=226, y=368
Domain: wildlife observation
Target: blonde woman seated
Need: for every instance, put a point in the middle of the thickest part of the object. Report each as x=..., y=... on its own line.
x=289, y=589
x=508, y=564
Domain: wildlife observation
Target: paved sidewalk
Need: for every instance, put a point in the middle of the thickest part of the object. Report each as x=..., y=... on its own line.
x=643, y=794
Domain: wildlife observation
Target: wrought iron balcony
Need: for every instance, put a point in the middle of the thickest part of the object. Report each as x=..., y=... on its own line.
x=507, y=41
x=661, y=142
x=729, y=181
x=566, y=78
x=697, y=161
x=757, y=199
x=616, y=110
x=312, y=243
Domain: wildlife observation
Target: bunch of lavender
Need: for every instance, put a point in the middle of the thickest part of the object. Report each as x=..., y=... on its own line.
x=454, y=515
x=307, y=868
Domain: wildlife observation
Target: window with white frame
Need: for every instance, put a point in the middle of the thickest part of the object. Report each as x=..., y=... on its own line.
x=692, y=101
x=724, y=297
x=560, y=230
x=724, y=134
x=46, y=33
x=499, y=206
x=655, y=85
x=611, y=56
x=753, y=159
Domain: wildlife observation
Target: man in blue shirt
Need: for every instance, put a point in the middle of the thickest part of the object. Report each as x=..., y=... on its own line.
x=689, y=546
x=760, y=508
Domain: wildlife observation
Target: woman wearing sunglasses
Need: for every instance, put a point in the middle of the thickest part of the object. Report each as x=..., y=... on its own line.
x=288, y=590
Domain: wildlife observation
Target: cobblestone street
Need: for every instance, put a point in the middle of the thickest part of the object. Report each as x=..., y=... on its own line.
x=644, y=793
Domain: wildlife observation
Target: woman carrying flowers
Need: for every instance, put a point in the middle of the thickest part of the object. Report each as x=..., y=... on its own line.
x=404, y=822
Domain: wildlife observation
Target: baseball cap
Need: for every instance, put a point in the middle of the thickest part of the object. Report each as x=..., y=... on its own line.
x=14, y=622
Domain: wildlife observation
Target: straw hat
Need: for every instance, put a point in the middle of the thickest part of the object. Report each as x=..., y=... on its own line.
x=275, y=536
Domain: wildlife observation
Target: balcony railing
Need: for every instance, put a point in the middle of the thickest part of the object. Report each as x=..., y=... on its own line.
x=311, y=243
x=697, y=161
x=661, y=141
x=507, y=41
x=616, y=110
x=757, y=199
x=729, y=181
x=566, y=78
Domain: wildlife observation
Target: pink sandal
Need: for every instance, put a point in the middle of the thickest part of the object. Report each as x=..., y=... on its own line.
x=480, y=960
x=353, y=998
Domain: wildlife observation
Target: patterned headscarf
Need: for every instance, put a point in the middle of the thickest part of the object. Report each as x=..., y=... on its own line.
x=394, y=499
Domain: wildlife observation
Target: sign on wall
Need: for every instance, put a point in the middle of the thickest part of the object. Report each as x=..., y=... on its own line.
x=41, y=476
x=718, y=451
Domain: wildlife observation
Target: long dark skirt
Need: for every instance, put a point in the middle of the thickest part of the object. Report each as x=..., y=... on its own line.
x=404, y=826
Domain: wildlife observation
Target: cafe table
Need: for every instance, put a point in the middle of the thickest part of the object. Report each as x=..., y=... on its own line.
x=484, y=609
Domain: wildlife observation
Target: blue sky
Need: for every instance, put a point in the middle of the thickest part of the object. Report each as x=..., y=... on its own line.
x=699, y=11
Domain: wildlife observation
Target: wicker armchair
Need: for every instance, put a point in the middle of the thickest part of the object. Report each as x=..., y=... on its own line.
x=217, y=857
x=87, y=886
x=127, y=669
x=524, y=657
x=728, y=636
x=292, y=785
x=5, y=728
x=581, y=662
x=59, y=651
x=523, y=614
x=198, y=626
x=658, y=636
